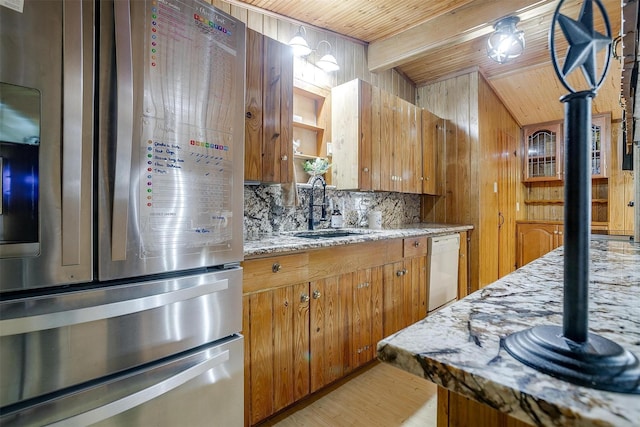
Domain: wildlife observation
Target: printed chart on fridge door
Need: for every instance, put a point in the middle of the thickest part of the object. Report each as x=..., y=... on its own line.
x=187, y=128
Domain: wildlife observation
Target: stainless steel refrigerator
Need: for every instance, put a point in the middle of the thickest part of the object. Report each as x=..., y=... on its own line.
x=121, y=156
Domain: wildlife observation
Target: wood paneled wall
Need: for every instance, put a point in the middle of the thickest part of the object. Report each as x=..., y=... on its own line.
x=499, y=176
x=621, y=187
x=481, y=156
x=350, y=54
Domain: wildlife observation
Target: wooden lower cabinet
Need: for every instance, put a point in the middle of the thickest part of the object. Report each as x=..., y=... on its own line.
x=346, y=324
x=276, y=330
x=536, y=239
x=455, y=410
x=300, y=338
x=404, y=294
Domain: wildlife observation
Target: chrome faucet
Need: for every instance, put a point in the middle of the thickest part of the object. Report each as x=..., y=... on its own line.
x=312, y=224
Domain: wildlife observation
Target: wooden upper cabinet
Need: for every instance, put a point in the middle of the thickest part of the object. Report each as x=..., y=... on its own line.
x=600, y=144
x=268, y=103
x=355, y=121
x=376, y=138
x=542, y=155
x=544, y=149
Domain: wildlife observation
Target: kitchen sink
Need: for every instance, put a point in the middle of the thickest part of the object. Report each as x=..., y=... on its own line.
x=326, y=234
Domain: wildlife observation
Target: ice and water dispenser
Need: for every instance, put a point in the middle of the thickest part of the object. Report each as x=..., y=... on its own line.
x=19, y=153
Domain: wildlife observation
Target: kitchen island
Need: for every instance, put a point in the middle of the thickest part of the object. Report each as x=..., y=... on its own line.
x=459, y=347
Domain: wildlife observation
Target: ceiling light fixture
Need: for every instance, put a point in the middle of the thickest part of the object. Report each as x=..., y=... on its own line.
x=506, y=42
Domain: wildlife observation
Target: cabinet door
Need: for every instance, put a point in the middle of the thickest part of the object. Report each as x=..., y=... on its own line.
x=387, y=142
x=404, y=294
x=600, y=134
x=253, y=107
x=410, y=161
x=278, y=336
x=559, y=233
x=268, y=102
x=367, y=314
x=432, y=141
x=355, y=134
x=331, y=336
x=543, y=147
x=535, y=240
x=417, y=277
x=278, y=103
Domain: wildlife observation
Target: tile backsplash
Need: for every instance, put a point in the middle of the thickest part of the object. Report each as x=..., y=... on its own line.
x=265, y=211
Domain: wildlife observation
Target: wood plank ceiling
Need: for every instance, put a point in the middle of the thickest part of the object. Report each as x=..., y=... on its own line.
x=432, y=40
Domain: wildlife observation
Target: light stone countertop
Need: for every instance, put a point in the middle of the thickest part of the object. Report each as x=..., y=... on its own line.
x=284, y=242
x=459, y=347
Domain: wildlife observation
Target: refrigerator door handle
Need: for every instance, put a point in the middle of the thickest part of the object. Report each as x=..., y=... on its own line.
x=124, y=131
x=72, y=145
x=58, y=319
x=143, y=396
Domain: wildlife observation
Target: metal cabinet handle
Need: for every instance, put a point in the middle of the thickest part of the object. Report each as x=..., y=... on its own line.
x=316, y=294
x=365, y=169
x=416, y=243
x=276, y=267
x=143, y=396
x=304, y=298
x=41, y=322
x=285, y=158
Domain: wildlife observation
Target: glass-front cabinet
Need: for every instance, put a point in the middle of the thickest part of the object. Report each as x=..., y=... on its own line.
x=543, y=144
x=600, y=130
x=544, y=149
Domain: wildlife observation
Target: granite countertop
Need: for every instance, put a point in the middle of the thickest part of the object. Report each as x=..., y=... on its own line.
x=288, y=242
x=459, y=347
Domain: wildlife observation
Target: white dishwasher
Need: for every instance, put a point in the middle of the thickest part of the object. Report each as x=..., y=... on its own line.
x=443, y=270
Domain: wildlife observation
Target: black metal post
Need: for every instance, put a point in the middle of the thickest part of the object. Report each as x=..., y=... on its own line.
x=571, y=352
x=577, y=214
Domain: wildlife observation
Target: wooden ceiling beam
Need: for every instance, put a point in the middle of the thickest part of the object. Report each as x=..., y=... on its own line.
x=464, y=24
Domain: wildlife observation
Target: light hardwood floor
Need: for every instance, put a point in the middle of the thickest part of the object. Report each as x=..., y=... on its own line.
x=378, y=395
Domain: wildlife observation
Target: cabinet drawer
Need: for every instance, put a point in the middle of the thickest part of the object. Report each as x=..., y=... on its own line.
x=415, y=246
x=272, y=272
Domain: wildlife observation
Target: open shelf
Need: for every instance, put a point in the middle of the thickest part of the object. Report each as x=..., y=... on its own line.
x=558, y=201
x=307, y=126
x=311, y=128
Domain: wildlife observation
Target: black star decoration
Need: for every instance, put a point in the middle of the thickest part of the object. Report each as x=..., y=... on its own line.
x=584, y=43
